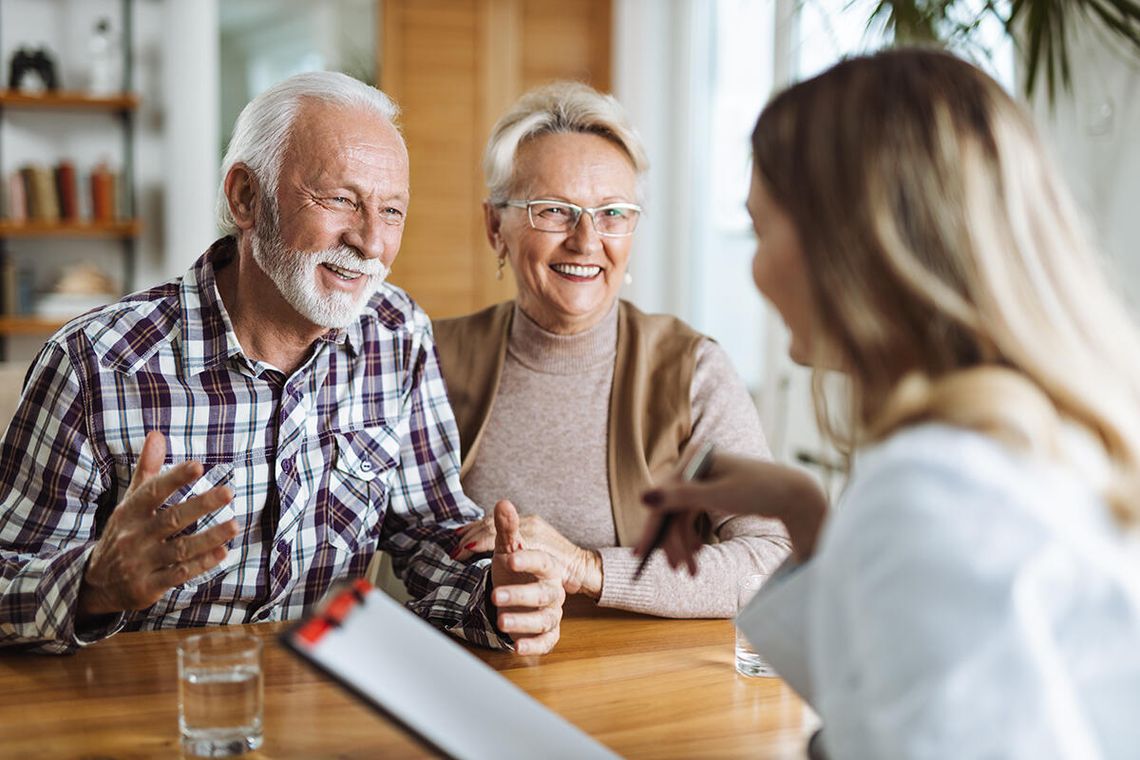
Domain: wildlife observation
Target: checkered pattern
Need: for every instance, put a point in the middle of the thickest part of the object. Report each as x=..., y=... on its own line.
x=357, y=449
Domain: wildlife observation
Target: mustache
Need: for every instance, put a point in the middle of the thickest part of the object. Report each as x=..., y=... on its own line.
x=348, y=258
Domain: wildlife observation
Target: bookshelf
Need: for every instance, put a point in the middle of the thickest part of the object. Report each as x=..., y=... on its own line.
x=81, y=214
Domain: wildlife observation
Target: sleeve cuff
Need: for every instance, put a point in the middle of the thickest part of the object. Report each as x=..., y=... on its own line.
x=619, y=589
x=478, y=624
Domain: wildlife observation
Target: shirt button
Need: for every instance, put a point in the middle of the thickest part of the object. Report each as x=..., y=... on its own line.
x=366, y=466
x=287, y=465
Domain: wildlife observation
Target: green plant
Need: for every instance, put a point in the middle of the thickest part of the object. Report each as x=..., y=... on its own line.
x=1038, y=27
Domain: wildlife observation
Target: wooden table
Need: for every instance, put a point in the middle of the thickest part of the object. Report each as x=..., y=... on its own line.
x=645, y=687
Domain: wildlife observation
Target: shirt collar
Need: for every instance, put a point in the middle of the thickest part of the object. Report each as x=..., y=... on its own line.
x=208, y=337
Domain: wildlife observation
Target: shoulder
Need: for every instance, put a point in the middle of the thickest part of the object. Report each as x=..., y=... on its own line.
x=124, y=335
x=393, y=310
x=485, y=322
x=659, y=326
x=663, y=337
x=937, y=493
x=714, y=364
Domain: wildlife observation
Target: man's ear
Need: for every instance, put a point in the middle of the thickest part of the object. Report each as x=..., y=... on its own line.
x=492, y=221
x=242, y=191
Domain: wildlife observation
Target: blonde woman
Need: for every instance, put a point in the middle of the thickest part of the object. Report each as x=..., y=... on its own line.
x=975, y=593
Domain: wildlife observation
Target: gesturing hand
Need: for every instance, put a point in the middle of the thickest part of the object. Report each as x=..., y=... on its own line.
x=736, y=485
x=527, y=587
x=136, y=560
x=581, y=568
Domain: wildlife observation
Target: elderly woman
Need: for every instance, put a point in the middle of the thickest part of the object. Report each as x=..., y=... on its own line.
x=572, y=401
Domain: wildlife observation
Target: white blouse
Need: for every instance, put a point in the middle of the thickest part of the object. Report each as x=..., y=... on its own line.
x=963, y=602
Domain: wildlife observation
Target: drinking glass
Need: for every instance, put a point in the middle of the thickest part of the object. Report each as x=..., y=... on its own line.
x=748, y=660
x=220, y=694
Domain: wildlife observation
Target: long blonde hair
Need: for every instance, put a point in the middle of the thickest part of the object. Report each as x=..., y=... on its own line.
x=947, y=262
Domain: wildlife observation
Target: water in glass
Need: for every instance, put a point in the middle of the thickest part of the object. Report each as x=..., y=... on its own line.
x=748, y=661
x=221, y=692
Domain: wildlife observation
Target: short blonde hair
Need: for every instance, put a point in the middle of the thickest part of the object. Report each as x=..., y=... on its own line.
x=947, y=261
x=559, y=107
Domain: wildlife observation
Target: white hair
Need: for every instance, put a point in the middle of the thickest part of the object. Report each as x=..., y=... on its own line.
x=559, y=107
x=262, y=131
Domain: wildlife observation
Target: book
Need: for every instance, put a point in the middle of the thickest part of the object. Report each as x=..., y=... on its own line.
x=67, y=191
x=28, y=180
x=39, y=182
x=102, y=194
x=17, y=210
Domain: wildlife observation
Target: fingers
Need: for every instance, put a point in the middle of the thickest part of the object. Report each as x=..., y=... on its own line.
x=147, y=497
x=174, y=519
x=678, y=497
x=175, y=575
x=535, y=562
x=150, y=460
x=645, y=545
x=486, y=525
x=186, y=548
x=529, y=595
x=541, y=644
x=519, y=623
x=474, y=542
x=507, y=538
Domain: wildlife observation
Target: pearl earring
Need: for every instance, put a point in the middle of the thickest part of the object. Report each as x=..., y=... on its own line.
x=628, y=278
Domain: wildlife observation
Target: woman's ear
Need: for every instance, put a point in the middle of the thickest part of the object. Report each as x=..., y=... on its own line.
x=242, y=190
x=493, y=220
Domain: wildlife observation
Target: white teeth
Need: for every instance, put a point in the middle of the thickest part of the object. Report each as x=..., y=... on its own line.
x=344, y=274
x=576, y=270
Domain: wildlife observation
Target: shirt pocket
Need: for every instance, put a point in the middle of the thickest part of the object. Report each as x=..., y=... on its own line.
x=357, y=493
x=212, y=476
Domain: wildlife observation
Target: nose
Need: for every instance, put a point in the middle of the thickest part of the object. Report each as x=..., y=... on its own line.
x=367, y=235
x=584, y=238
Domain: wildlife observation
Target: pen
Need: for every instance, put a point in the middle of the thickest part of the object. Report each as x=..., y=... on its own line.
x=695, y=469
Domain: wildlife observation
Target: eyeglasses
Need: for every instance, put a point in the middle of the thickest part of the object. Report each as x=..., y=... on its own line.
x=610, y=220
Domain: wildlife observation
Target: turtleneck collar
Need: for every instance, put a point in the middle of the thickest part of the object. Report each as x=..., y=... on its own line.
x=553, y=354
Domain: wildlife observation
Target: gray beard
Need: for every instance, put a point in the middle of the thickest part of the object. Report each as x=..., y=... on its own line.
x=295, y=275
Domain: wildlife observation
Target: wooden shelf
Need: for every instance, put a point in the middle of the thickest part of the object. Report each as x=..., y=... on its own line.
x=63, y=100
x=30, y=325
x=125, y=229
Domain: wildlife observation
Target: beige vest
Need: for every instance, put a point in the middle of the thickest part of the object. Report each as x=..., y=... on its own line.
x=650, y=415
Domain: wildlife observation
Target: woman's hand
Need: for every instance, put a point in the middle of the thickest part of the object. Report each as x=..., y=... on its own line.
x=526, y=587
x=735, y=485
x=582, y=568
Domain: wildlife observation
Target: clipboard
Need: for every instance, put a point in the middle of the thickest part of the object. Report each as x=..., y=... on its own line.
x=418, y=677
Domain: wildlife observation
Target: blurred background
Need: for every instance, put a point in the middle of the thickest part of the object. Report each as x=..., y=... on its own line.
x=146, y=92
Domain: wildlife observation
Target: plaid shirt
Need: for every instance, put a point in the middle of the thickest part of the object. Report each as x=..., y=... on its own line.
x=357, y=449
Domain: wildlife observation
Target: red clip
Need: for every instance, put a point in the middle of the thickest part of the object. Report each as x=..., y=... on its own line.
x=339, y=607
x=312, y=631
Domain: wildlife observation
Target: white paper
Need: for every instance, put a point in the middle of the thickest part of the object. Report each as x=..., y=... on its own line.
x=435, y=687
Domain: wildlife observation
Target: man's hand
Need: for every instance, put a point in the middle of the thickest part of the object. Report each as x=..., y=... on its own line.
x=581, y=568
x=136, y=561
x=526, y=587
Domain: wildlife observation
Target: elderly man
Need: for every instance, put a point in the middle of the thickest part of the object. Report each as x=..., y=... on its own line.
x=223, y=447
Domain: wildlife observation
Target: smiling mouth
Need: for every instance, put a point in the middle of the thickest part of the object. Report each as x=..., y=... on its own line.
x=344, y=274
x=582, y=271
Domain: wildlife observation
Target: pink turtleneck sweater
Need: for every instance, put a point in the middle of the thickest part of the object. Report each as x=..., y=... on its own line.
x=544, y=448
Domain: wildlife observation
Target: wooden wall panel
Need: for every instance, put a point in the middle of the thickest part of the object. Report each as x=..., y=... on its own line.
x=454, y=66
